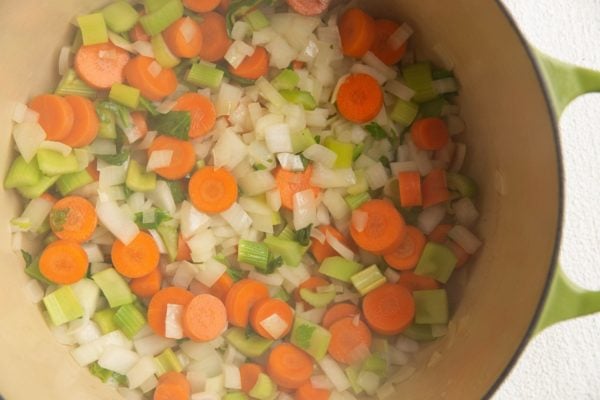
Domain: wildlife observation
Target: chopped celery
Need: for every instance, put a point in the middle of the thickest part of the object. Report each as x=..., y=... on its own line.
x=129, y=320
x=287, y=233
x=236, y=396
x=253, y=253
x=257, y=20
x=339, y=268
x=138, y=179
x=462, y=184
x=282, y=295
x=437, y=261
x=358, y=150
x=162, y=17
x=162, y=53
x=107, y=128
x=302, y=140
x=317, y=300
x=104, y=320
x=404, y=112
x=22, y=173
x=70, y=84
x=352, y=375
x=33, y=191
x=114, y=287
x=264, y=388
x=361, y=184
x=204, y=75
x=431, y=306
x=93, y=28
x=344, y=152
x=418, y=77
x=159, y=216
x=432, y=108
x=421, y=333
x=289, y=250
x=310, y=337
x=377, y=364
x=70, y=182
x=153, y=5
x=250, y=345
x=101, y=373
x=125, y=95
x=167, y=361
x=120, y=16
x=63, y=306
x=368, y=279
x=54, y=163
x=170, y=236
x=148, y=106
x=357, y=200
x=287, y=79
x=301, y=97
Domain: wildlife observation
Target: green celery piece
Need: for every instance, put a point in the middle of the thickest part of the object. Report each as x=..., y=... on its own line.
x=287, y=233
x=93, y=29
x=167, y=361
x=404, y=112
x=462, y=184
x=377, y=364
x=70, y=85
x=173, y=123
x=156, y=21
x=437, y=261
x=432, y=108
x=33, y=270
x=70, y=182
x=253, y=253
x=160, y=216
x=114, y=287
x=302, y=140
x=301, y=97
x=418, y=77
x=54, y=163
x=344, y=152
x=101, y=373
x=420, y=333
x=352, y=372
x=289, y=250
x=138, y=179
x=264, y=388
x=287, y=79
x=236, y=396
x=317, y=300
x=104, y=320
x=35, y=191
x=257, y=20
x=22, y=173
x=431, y=306
x=63, y=306
x=242, y=7
x=170, y=236
x=205, y=76
x=377, y=132
x=125, y=95
x=115, y=159
x=310, y=337
x=361, y=184
x=282, y=295
x=129, y=320
x=120, y=16
x=249, y=345
x=368, y=279
x=153, y=5
x=162, y=53
x=108, y=128
x=339, y=268
x=357, y=200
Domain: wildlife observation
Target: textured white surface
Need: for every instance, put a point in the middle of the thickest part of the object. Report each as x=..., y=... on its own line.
x=563, y=362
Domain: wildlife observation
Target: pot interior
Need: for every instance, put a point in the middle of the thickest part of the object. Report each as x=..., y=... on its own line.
x=511, y=153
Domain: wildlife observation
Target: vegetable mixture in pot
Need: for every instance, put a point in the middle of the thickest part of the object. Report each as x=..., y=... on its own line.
x=244, y=200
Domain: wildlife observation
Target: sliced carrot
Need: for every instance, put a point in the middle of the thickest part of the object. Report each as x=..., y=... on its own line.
x=154, y=85
x=240, y=299
x=288, y=366
x=311, y=283
x=429, y=133
x=183, y=250
x=184, y=38
x=296, y=64
x=147, y=285
x=182, y=161
x=289, y=183
x=48, y=197
x=440, y=233
x=56, y=116
x=139, y=121
x=337, y=312
x=409, y=185
x=138, y=34
x=73, y=218
x=212, y=190
x=172, y=386
x=136, y=259
x=434, y=188
x=412, y=282
x=249, y=373
x=357, y=31
x=384, y=28
x=92, y=169
x=323, y=250
x=157, y=308
x=224, y=6
x=407, y=255
x=216, y=40
x=360, y=98
x=389, y=309
x=63, y=262
x=101, y=65
x=204, y=318
x=201, y=6
x=202, y=112
x=222, y=286
x=348, y=335
x=85, y=122
x=461, y=255
x=385, y=228
x=309, y=392
x=266, y=308
x=253, y=66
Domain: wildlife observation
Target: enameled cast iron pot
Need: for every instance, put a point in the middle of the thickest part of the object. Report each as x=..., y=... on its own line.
x=511, y=98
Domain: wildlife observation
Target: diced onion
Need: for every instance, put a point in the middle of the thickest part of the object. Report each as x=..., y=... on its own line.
x=304, y=209
x=120, y=42
x=159, y=159
x=273, y=198
x=210, y=272
x=290, y=162
x=240, y=30
x=317, y=118
x=232, y=378
x=406, y=344
x=237, y=217
x=152, y=345
x=400, y=36
x=421, y=158
x=35, y=292
x=143, y=48
x=445, y=85
x=173, y=327
x=368, y=70
x=359, y=220
x=192, y=220
x=184, y=274
x=28, y=137
x=274, y=325
x=103, y=147
x=430, y=218
x=459, y=157
x=405, y=166
x=377, y=176
x=118, y=359
x=148, y=140
x=36, y=212
x=166, y=106
x=335, y=373
x=63, y=60
x=315, y=315
x=154, y=69
x=464, y=238
x=282, y=54
x=318, y=235
x=369, y=381
x=162, y=197
x=228, y=99
x=399, y=90
x=329, y=178
x=257, y=182
x=143, y=370
x=229, y=150
x=117, y=221
x=294, y=275
x=278, y=138
x=339, y=246
x=321, y=382
x=455, y=124
x=465, y=211
x=237, y=52
x=371, y=59
x=269, y=92
x=320, y=154
x=336, y=204
x=187, y=29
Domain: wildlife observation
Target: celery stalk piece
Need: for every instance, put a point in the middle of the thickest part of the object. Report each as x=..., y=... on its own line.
x=236, y=396
x=33, y=191
x=54, y=163
x=93, y=28
x=138, y=179
x=160, y=19
x=162, y=53
x=287, y=79
x=101, y=373
x=287, y=233
x=70, y=84
x=420, y=333
x=114, y=287
x=290, y=251
x=431, y=306
x=257, y=20
x=352, y=375
x=302, y=140
x=301, y=97
x=170, y=237
x=310, y=337
x=70, y=182
x=361, y=184
x=108, y=127
x=104, y=320
x=62, y=305
x=432, y=108
x=204, y=75
x=120, y=16
x=253, y=253
x=357, y=200
x=22, y=173
x=418, y=77
x=153, y=5
x=317, y=300
x=368, y=279
x=437, y=261
x=344, y=152
x=249, y=345
x=167, y=361
x=404, y=112
x=339, y=268
x=263, y=389
x=129, y=320
x=125, y=95
x=462, y=184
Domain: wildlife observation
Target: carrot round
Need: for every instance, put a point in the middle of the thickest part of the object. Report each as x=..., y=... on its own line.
x=216, y=40
x=101, y=65
x=412, y=282
x=85, y=122
x=183, y=250
x=357, y=32
x=154, y=85
x=348, y=334
x=249, y=373
x=309, y=7
x=136, y=259
x=323, y=250
x=202, y=112
x=384, y=28
x=409, y=187
x=138, y=34
x=204, y=318
x=73, y=218
x=289, y=183
x=147, y=285
x=309, y=392
x=389, y=309
x=172, y=386
x=439, y=233
x=56, y=116
x=221, y=287
x=429, y=133
x=337, y=312
x=253, y=66
x=407, y=255
x=311, y=283
x=360, y=98
x=184, y=37
x=139, y=120
x=265, y=308
x=49, y=197
x=182, y=161
x=434, y=188
x=212, y=190
x=201, y=6
x=288, y=366
x=240, y=299
x=224, y=6
x=63, y=262
x=385, y=228
x=157, y=308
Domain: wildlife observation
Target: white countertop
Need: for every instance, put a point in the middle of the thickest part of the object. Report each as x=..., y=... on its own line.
x=563, y=362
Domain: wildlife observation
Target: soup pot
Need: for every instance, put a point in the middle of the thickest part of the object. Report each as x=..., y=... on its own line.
x=511, y=98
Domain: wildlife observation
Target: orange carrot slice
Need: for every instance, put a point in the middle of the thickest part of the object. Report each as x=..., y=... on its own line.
x=182, y=161
x=289, y=183
x=136, y=259
x=384, y=28
x=357, y=31
x=389, y=309
x=385, y=228
x=249, y=373
x=184, y=38
x=407, y=255
x=147, y=285
x=212, y=190
x=101, y=65
x=73, y=218
x=412, y=282
x=288, y=366
x=409, y=185
x=337, y=312
x=172, y=386
x=153, y=84
x=202, y=112
x=253, y=66
x=201, y=6
x=360, y=98
x=348, y=335
x=266, y=308
x=85, y=122
x=429, y=133
x=157, y=308
x=204, y=318
x=434, y=188
x=240, y=299
x=216, y=40
x=55, y=115
x=63, y=262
